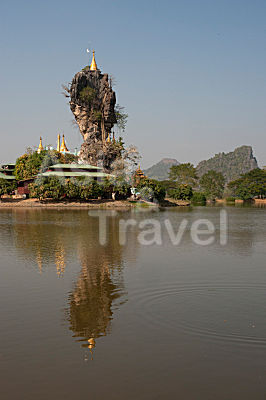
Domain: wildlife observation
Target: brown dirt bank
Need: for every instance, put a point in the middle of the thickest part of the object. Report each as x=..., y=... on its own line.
x=34, y=203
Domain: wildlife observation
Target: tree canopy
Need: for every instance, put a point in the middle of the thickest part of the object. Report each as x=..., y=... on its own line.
x=7, y=186
x=183, y=174
x=31, y=163
x=212, y=183
x=250, y=185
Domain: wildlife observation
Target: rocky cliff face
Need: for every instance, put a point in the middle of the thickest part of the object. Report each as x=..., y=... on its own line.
x=160, y=171
x=231, y=165
x=92, y=102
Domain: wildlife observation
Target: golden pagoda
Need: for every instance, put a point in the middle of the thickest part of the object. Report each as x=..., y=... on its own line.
x=58, y=143
x=139, y=175
x=108, y=140
x=63, y=147
x=40, y=148
x=93, y=66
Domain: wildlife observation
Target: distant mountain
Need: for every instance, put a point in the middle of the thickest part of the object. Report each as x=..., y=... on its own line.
x=160, y=170
x=231, y=165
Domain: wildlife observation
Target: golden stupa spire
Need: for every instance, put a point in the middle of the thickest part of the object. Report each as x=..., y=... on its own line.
x=93, y=66
x=40, y=148
x=63, y=147
x=58, y=143
x=108, y=140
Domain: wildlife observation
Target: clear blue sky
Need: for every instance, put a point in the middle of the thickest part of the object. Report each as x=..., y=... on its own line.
x=190, y=73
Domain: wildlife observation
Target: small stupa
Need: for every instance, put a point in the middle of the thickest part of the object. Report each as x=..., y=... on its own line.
x=40, y=148
x=63, y=147
x=139, y=175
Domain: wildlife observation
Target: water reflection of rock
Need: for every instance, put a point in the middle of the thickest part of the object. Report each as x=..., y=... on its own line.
x=59, y=238
x=99, y=286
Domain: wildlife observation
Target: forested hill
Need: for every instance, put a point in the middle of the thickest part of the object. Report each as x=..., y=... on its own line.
x=160, y=170
x=231, y=165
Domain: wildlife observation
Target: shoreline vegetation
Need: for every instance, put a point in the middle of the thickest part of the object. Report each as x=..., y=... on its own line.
x=39, y=177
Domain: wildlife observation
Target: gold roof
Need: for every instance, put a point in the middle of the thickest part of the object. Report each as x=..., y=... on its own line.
x=93, y=66
x=58, y=143
x=40, y=148
x=63, y=145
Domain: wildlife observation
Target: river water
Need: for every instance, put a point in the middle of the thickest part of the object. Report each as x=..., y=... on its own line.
x=130, y=320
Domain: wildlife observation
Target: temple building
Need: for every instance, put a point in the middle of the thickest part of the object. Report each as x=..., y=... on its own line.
x=139, y=175
x=75, y=171
x=7, y=171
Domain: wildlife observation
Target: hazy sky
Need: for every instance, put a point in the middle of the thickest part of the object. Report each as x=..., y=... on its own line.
x=190, y=73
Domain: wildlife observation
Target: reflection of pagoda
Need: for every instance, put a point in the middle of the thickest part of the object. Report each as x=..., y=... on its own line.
x=99, y=286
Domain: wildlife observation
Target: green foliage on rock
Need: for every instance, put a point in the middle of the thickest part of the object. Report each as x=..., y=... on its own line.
x=213, y=184
x=87, y=94
x=97, y=116
x=182, y=192
x=121, y=117
x=183, y=174
x=250, y=185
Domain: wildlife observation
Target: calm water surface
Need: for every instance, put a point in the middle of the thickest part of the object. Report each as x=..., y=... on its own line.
x=168, y=321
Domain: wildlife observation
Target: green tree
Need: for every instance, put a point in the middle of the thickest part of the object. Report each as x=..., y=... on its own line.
x=28, y=165
x=121, y=117
x=72, y=188
x=198, y=198
x=32, y=163
x=250, y=185
x=44, y=188
x=156, y=186
x=182, y=192
x=90, y=189
x=212, y=184
x=7, y=186
x=183, y=174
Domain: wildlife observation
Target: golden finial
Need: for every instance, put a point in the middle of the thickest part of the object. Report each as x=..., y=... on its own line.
x=58, y=142
x=93, y=66
x=63, y=147
x=40, y=148
x=108, y=140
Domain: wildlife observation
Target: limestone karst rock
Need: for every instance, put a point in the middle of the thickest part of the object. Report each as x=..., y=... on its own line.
x=92, y=101
x=231, y=165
